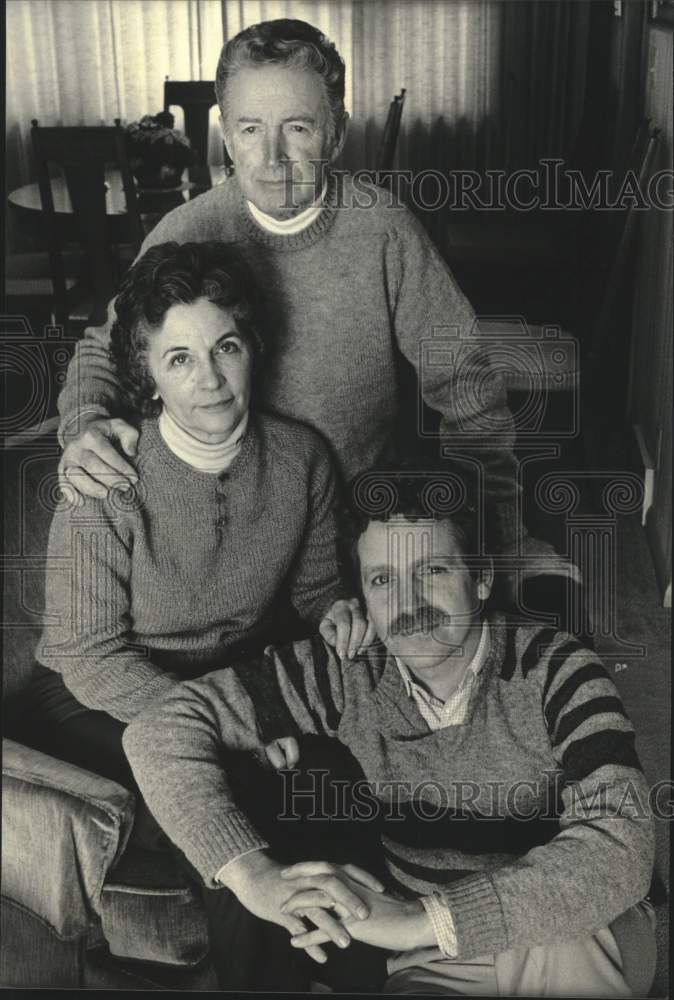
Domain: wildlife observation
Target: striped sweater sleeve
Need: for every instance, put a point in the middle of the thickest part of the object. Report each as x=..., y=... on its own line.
x=600, y=862
x=175, y=747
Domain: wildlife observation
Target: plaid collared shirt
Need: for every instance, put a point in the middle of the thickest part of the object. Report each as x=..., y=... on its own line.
x=452, y=712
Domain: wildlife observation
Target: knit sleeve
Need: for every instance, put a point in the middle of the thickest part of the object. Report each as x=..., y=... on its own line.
x=91, y=382
x=436, y=331
x=315, y=580
x=87, y=634
x=600, y=862
x=176, y=747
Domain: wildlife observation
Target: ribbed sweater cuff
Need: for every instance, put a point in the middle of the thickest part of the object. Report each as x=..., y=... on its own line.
x=478, y=918
x=217, y=840
x=69, y=423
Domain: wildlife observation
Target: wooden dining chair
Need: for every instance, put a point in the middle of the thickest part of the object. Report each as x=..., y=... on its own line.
x=29, y=288
x=83, y=153
x=389, y=139
x=196, y=98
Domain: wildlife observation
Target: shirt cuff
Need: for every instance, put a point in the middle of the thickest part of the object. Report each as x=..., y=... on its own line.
x=218, y=875
x=442, y=923
x=64, y=433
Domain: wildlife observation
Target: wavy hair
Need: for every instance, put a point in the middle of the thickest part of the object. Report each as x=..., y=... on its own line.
x=446, y=492
x=168, y=274
x=285, y=42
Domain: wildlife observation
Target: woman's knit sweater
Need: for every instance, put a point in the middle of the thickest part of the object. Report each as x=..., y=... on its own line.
x=146, y=588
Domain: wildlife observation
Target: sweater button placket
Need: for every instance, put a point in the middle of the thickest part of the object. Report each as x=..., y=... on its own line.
x=221, y=519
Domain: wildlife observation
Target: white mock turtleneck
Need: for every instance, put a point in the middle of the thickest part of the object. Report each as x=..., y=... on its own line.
x=213, y=458
x=287, y=227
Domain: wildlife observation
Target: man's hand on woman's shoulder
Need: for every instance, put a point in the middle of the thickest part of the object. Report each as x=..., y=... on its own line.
x=92, y=463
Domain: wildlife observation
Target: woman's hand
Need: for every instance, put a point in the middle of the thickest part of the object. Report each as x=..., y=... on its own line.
x=258, y=884
x=92, y=463
x=345, y=628
x=399, y=925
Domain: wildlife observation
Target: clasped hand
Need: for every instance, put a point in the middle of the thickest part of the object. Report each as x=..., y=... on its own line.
x=343, y=902
x=264, y=887
x=391, y=923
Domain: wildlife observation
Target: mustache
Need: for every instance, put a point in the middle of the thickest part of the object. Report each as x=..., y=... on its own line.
x=424, y=619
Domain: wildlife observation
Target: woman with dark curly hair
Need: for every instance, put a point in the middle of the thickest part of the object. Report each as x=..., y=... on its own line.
x=233, y=508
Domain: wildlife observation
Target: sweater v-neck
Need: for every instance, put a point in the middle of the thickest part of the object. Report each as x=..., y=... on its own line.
x=406, y=721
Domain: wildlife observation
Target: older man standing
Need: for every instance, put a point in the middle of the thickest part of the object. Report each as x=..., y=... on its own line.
x=351, y=283
x=346, y=286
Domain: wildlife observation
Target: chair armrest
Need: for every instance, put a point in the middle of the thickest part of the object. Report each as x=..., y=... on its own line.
x=63, y=829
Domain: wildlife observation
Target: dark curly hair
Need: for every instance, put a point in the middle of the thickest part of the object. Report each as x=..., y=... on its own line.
x=445, y=492
x=165, y=275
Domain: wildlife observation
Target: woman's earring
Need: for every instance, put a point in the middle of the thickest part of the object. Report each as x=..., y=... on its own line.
x=155, y=395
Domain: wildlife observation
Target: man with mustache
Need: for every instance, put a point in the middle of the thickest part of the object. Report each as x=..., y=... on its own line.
x=516, y=843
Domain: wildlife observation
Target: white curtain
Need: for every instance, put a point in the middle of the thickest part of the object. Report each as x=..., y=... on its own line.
x=490, y=83
x=77, y=62
x=89, y=61
x=446, y=55
x=444, y=52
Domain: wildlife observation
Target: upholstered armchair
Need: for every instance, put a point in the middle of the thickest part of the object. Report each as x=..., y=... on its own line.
x=84, y=903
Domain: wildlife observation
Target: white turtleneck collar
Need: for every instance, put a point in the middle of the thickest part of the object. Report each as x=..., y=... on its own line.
x=213, y=458
x=288, y=227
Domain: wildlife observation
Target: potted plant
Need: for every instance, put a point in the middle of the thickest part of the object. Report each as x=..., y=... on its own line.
x=158, y=153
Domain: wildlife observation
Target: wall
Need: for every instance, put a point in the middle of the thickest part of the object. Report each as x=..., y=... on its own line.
x=650, y=400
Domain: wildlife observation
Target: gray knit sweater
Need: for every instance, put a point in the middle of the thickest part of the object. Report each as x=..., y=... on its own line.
x=167, y=583
x=544, y=833
x=343, y=296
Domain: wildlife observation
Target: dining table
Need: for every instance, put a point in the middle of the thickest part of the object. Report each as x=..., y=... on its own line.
x=26, y=205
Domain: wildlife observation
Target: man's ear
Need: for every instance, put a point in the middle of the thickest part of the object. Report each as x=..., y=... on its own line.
x=340, y=137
